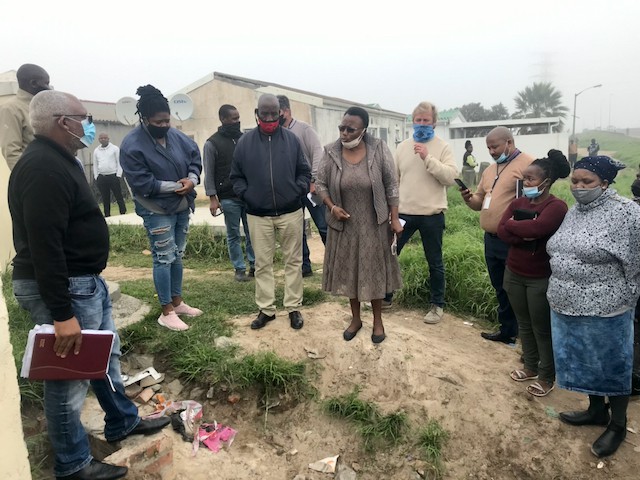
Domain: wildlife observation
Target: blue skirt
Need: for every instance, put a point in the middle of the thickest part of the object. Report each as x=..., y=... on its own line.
x=593, y=355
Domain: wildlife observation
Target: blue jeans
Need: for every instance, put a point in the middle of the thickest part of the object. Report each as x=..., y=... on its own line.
x=495, y=255
x=168, y=239
x=63, y=399
x=318, y=215
x=234, y=211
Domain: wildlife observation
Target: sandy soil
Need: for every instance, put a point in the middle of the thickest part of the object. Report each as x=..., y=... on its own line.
x=444, y=371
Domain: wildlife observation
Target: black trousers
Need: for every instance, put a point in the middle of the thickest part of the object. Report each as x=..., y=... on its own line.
x=107, y=184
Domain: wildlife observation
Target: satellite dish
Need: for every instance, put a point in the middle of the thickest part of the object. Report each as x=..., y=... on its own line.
x=181, y=106
x=126, y=111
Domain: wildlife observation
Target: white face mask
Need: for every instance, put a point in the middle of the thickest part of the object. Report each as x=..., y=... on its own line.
x=353, y=143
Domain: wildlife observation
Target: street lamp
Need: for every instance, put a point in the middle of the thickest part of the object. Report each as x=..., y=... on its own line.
x=575, y=98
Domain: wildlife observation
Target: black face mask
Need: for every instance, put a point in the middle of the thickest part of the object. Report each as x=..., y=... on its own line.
x=231, y=130
x=158, y=132
x=281, y=119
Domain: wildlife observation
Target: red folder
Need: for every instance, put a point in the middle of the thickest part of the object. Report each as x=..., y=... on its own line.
x=91, y=363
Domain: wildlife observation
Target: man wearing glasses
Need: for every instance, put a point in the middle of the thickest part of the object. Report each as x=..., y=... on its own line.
x=15, y=130
x=271, y=175
x=62, y=244
x=217, y=157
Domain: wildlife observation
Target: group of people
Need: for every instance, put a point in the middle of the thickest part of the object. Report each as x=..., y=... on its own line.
x=566, y=279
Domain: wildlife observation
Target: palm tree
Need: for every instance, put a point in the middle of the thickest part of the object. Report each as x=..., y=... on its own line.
x=540, y=100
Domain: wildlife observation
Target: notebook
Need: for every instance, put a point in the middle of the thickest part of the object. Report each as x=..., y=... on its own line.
x=40, y=362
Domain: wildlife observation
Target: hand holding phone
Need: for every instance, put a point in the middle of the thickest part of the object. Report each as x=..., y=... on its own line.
x=461, y=184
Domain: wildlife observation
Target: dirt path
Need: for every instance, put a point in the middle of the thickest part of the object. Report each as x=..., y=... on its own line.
x=444, y=371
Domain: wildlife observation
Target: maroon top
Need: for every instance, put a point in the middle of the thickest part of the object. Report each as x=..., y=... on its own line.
x=529, y=257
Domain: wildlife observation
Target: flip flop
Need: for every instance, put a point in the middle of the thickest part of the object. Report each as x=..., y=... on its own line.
x=536, y=389
x=521, y=376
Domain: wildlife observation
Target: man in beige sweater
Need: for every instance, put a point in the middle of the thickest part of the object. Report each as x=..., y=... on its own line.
x=425, y=167
x=496, y=190
x=15, y=130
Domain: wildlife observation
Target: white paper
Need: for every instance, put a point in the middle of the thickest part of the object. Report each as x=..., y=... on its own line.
x=403, y=222
x=310, y=197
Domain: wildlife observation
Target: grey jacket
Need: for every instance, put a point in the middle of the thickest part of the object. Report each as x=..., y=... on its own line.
x=382, y=173
x=595, y=258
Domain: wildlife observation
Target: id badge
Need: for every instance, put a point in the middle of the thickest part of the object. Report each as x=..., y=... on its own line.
x=486, y=202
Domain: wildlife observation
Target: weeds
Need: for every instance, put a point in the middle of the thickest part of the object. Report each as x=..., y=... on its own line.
x=431, y=440
x=376, y=429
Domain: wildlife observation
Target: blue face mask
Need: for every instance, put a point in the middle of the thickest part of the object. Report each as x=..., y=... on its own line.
x=502, y=158
x=422, y=133
x=89, y=129
x=533, y=192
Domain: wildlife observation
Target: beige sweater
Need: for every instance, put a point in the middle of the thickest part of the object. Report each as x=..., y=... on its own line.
x=423, y=183
x=502, y=192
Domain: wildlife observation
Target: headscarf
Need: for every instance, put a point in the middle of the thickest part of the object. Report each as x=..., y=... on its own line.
x=605, y=167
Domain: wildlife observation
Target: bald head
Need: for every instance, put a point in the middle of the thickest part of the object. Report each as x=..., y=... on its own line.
x=268, y=108
x=500, y=141
x=32, y=78
x=500, y=133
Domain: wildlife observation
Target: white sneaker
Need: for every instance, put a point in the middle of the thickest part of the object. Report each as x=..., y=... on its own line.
x=435, y=315
x=184, y=309
x=172, y=321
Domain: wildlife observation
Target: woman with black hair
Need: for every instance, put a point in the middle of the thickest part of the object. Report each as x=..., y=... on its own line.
x=358, y=184
x=162, y=166
x=526, y=226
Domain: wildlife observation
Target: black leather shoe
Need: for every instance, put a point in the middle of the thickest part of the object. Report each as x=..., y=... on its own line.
x=585, y=417
x=348, y=336
x=146, y=427
x=609, y=441
x=261, y=320
x=97, y=471
x=296, y=320
x=498, y=337
x=307, y=273
x=378, y=338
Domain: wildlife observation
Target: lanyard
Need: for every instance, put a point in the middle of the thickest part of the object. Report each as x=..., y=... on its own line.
x=515, y=153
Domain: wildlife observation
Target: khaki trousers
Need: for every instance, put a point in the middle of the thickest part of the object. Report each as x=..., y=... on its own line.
x=263, y=238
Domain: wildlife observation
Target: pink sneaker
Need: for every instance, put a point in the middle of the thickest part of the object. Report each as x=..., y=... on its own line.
x=172, y=321
x=184, y=309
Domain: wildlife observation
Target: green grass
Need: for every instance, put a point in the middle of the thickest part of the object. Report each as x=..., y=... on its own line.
x=431, y=439
x=377, y=430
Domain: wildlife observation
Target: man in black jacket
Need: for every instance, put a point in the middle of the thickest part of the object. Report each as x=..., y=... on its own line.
x=62, y=244
x=217, y=157
x=271, y=175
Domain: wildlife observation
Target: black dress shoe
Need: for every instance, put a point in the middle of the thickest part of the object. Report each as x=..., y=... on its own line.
x=145, y=427
x=261, y=320
x=348, y=336
x=296, y=320
x=378, y=338
x=585, y=417
x=609, y=441
x=97, y=471
x=307, y=273
x=498, y=337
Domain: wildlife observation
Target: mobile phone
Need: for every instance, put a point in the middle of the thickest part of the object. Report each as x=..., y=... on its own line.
x=461, y=184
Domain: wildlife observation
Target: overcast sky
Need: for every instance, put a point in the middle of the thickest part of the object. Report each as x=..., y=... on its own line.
x=395, y=53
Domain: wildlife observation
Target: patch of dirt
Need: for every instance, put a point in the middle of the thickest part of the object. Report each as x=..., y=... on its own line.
x=445, y=372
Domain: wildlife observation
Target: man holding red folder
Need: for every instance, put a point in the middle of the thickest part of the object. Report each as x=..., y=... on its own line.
x=62, y=245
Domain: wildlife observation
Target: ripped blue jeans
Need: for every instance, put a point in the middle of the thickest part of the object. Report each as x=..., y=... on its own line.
x=168, y=239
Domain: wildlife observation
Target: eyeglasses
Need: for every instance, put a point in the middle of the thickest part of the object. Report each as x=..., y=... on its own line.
x=342, y=128
x=89, y=117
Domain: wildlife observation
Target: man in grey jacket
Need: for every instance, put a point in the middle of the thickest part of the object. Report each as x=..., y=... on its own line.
x=312, y=148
